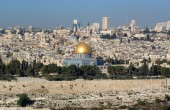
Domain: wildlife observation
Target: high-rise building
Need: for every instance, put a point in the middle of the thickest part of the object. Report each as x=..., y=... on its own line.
x=75, y=25
x=30, y=29
x=106, y=23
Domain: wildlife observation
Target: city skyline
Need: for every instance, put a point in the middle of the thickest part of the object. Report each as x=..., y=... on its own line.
x=50, y=14
x=84, y=54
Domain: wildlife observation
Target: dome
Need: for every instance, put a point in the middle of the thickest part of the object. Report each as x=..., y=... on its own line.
x=83, y=48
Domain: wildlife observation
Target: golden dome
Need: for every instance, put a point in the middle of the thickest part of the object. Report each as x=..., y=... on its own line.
x=83, y=48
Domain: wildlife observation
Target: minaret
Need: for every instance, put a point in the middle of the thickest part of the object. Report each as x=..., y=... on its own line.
x=43, y=38
x=88, y=29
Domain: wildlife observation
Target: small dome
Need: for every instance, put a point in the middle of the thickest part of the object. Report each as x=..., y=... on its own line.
x=83, y=48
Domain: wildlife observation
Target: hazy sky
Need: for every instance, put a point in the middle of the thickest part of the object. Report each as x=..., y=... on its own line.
x=52, y=13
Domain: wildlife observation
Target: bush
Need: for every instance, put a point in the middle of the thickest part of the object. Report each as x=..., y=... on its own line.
x=167, y=97
x=132, y=108
x=94, y=108
x=7, y=77
x=157, y=100
x=123, y=107
x=89, y=78
x=24, y=100
x=55, y=78
x=140, y=102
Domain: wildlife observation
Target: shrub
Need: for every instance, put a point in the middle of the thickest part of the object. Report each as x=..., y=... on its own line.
x=167, y=97
x=23, y=100
x=123, y=107
x=140, y=102
x=7, y=77
x=157, y=100
x=95, y=108
x=55, y=78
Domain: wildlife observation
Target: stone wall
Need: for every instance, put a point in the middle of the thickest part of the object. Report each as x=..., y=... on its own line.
x=82, y=86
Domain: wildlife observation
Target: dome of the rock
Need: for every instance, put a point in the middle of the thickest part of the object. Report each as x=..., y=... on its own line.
x=83, y=48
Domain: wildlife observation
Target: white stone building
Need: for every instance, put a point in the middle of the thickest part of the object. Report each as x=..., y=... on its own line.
x=106, y=23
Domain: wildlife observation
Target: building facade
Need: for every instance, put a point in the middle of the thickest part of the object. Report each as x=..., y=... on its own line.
x=106, y=23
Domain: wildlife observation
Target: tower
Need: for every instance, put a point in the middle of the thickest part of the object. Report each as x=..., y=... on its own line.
x=43, y=39
x=106, y=23
x=88, y=29
x=75, y=25
x=133, y=26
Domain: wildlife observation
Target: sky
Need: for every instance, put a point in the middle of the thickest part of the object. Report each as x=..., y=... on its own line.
x=52, y=13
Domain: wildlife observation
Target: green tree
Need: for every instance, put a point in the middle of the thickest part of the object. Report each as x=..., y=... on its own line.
x=96, y=72
x=115, y=61
x=45, y=70
x=154, y=70
x=131, y=68
x=38, y=67
x=20, y=72
x=144, y=70
x=90, y=72
x=119, y=69
x=30, y=71
x=141, y=102
x=111, y=71
x=24, y=100
x=7, y=77
x=71, y=73
x=167, y=97
x=165, y=71
x=51, y=68
x=116, y=71
x=24, y=67
x=157, y=100
x=12, y=67
x=2, y=67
